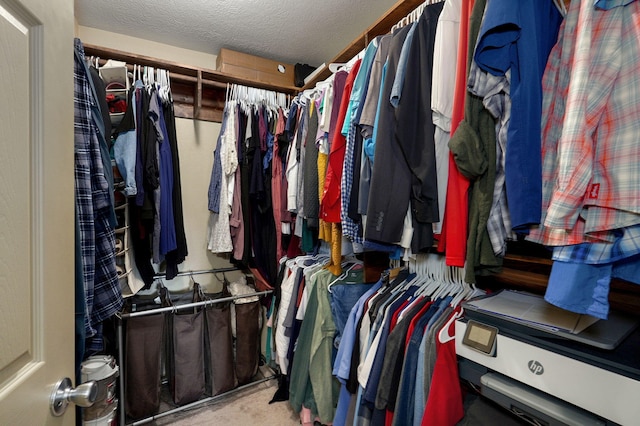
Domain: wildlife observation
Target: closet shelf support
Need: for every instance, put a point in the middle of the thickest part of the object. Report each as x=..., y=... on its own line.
x=197, y=104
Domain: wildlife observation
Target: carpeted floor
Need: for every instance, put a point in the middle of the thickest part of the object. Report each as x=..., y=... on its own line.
x=249, y=407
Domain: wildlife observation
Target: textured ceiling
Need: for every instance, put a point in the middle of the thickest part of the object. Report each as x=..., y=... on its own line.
x=306, y=31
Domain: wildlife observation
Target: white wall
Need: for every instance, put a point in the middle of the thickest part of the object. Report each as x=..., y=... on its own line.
x=196, y=144
x=145, y=47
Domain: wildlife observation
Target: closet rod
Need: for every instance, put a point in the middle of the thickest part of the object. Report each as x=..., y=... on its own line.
x=198, y=272
x=192, y=305
x=201, y=401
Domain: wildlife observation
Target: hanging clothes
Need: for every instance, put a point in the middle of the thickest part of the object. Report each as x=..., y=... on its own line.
x=263, y=234
x=351, y=227
x=225, y=164
x=124, y=147
x=442, y=90
x=473, y=146
x=277, y=182
x=146, y=152
x=454, y=224
x=175, y=257
x=390, y=180
x=593, y=235
x=415, y=131
x=94, y=209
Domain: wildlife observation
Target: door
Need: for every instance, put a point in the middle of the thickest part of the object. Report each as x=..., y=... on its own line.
x=36, y=208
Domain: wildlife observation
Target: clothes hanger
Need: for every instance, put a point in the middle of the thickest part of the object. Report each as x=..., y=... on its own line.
x=422, y=278
x=344, y=275
x=561, y=6
x=152, y=78
x=166, y=88
x=159, y=83
x=444, y=282
x=169, y=95
x=466, y=289
x=163, y=85
x=432, y=276
x=334, y=67
x=443, y=334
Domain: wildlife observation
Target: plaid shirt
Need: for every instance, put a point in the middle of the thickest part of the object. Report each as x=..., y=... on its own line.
x=591, y=119
x=626, y=244
x=350, y=228
x=494, y=91
x=103, y=297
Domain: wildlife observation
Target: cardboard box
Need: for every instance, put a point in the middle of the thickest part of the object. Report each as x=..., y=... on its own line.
x=254, y=68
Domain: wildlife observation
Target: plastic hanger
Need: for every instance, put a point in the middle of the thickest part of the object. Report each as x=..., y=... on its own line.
x=463, y=291
x=443, y=281
x=168, y=77
x=334, y=67
x=434, y=276
x=561, y=6
x=344, y=275
x=443, y=334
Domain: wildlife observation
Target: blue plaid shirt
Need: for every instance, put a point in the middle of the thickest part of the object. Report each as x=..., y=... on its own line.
x=103, y=297
x=626, y=244
x=350, y=228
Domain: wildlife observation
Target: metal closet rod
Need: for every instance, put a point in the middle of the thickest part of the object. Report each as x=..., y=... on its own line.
x=199, y=272
x=202, y=401
x=192, y=305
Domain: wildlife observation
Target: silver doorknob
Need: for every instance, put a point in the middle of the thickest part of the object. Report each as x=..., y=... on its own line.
x=84, y=395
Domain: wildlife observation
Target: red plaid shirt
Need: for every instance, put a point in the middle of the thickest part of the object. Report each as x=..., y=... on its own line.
x=591, y=126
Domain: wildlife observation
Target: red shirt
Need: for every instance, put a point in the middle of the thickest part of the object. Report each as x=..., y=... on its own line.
x=444, y=404
x=330, y=202
x=453, y=240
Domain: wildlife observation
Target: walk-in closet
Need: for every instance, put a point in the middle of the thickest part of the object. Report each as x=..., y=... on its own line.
x=363, y=213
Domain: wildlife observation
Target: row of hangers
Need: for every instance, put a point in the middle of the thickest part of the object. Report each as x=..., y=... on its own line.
x=334, y=67
x=154, y=77
x=434, y=277
x=149, y=76
x=413, y=16
x=250, y=97
x=441, y=280
x=437, y=280
x=348, y=264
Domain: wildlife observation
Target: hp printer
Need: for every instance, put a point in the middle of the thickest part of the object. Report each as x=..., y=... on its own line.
x=550, y=367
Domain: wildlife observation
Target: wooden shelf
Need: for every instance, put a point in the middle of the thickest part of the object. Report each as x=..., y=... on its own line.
x=198, y=93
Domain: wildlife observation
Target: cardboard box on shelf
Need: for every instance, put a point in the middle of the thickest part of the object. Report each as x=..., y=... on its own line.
x=254, y=68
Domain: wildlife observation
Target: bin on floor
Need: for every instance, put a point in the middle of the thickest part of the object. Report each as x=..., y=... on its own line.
x=102, y=369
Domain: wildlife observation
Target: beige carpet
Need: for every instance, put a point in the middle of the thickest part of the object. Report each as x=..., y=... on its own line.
x=245, y=407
